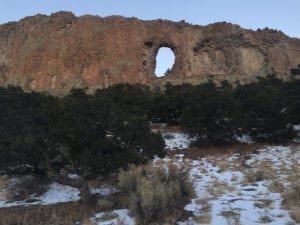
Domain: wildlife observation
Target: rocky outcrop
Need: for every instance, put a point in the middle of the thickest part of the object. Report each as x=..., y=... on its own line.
x=55, y=53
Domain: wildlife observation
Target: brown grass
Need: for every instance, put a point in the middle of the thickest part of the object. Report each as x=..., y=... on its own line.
x=110, y=180
x=295, y=214
x=276, y=186
x=3, y=184
x=263, y=203
x=205, y=216
x=232, y=217
x=3, y=181
x=219, y=188
x=265, y=219
x=62, y=213
x=263, y=171
x=88, y=221
x=195, y=153
x=292, y=201
x=292, y=193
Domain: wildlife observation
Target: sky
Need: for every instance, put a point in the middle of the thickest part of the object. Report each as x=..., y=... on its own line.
x=281, y=15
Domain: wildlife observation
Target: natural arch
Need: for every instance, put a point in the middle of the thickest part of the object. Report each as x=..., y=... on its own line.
x=164, y=61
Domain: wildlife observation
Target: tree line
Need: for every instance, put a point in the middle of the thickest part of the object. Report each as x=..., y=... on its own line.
x=99, y=133
x=87, y=134
x=265, y=110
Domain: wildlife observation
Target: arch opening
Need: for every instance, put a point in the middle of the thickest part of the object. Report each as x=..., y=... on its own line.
x=164, y=61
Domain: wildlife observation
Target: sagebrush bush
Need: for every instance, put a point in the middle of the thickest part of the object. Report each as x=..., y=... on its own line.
x=292, y=201
x=127, y=179
x=156, y=194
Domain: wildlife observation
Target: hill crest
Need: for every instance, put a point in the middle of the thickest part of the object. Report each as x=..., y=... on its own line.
x=58, y=52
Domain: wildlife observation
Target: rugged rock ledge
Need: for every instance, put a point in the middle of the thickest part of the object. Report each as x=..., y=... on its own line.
x=55, y=53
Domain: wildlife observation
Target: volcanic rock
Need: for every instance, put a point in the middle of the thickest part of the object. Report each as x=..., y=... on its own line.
x=58, y=52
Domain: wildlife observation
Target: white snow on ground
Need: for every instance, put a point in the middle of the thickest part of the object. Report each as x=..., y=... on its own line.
x=244, y=139
x=227, y=191
x=56, y=193
x=225, y=197
x=226, y=188
x=177, y=140
x=224, y=193
x=116, y=217
x=74, y=176
x=104, y=190
x=297, y=127
x=59, y=193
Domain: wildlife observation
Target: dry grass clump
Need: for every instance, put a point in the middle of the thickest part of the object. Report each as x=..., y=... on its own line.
x=156, y=194
x=217, y=188
x=204, y=151
x=265, y=219
x=205, y=216
x=88, y=221
x=203, y=219
x=295, y=214
x=56, y=214
x=292, y=201
x=263, y=204
x=3, y=183
x=259, y=175
x=292, y=194
x=232, y=217
x=276, y=186
x=224, y=166
x=106, y=203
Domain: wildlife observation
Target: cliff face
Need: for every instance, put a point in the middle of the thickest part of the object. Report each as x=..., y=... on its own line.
x=55, y=53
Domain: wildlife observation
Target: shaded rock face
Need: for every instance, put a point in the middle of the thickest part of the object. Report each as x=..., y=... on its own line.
x=55, y=53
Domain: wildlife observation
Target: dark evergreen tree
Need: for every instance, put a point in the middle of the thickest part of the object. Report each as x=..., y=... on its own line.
x=262, y=113
x=209, y=115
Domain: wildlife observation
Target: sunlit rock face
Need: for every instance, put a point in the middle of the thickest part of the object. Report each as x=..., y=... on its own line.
x=58, y=52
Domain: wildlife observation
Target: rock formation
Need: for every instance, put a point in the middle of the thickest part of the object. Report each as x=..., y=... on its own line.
x=55, y=53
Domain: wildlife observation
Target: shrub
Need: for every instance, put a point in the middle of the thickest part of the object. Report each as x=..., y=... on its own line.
x=21, y=188
x=292, y=200
x=127, y=180
x=209, y=115
x=77, y=131
x=106, y=203
x=156, y=194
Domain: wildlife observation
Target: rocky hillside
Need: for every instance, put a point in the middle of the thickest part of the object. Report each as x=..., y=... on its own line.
x=55, y=53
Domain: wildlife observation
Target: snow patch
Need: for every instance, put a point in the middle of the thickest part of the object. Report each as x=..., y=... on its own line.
x=176, y=140
x=56, y=193
x=297, y=127
x=104, y=190
x=244, y=139
x=231, y=200
x=120, y=216
x=74, y=176
x=59, y=193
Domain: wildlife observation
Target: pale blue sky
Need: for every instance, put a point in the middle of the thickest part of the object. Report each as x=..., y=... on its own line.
x=282, y=15
x=165, y=60
x=277, y=14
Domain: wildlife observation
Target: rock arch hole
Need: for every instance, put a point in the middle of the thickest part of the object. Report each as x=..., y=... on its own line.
x=165, y=60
